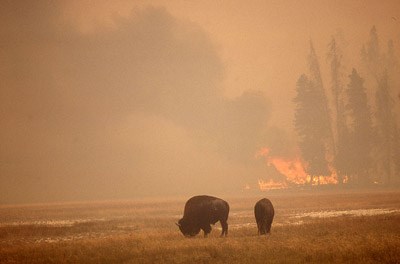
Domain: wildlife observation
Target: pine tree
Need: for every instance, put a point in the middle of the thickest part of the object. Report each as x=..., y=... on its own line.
x=325, y=121
x=312, y=120
x=308, y=118
x=339, y=124
x=344, y=156
x=384, y=71
x=396, y=154
x=361, y=133
x=393, y=70
x=391, y=62
x=371, y=54
x=386, y=128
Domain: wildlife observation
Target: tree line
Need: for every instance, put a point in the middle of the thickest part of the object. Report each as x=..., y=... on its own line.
x=355, y=134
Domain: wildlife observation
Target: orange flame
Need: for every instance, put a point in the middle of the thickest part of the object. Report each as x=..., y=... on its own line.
x=294, y=172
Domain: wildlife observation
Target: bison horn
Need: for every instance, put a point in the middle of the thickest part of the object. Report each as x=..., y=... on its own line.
x=177, y=224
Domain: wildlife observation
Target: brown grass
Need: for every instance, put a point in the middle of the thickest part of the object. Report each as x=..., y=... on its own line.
x=132, y=232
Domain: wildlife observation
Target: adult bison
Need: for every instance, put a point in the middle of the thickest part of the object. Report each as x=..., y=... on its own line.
x=264, y=213
x=201, y=211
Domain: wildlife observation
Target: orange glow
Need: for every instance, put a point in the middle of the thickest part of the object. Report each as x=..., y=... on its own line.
x=294, y=171
x=346, y=179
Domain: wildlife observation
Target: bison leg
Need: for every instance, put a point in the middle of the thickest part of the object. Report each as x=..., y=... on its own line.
x=224, y=226
x=262, y=228
x=269, y=223
x=268, y=231
x=259, y=228
x=206, y=230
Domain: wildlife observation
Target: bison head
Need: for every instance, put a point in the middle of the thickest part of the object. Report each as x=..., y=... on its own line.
x=187, y=228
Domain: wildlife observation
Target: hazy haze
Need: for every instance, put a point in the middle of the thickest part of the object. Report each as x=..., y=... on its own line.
x=122, y=99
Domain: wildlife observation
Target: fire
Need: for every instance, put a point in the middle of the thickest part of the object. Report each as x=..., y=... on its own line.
x=293, y=169
x=345, y=179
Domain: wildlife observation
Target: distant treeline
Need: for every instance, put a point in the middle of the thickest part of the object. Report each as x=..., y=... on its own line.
x=352, y=132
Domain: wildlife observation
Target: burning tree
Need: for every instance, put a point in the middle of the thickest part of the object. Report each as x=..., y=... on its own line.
x=343, y=146
x=312, y=121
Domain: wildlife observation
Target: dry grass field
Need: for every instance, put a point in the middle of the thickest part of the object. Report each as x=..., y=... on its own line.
x=345, y=227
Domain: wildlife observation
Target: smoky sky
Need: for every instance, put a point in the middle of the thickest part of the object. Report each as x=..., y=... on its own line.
x=132, y=110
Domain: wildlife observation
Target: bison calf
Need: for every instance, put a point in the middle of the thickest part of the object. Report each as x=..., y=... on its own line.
x=264, y=213
x=202, y=211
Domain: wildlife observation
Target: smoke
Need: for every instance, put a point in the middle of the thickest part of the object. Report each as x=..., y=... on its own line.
x=118, y=112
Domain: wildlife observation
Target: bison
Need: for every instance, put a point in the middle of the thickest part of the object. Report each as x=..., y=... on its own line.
x=201, y=211
x=264, y=213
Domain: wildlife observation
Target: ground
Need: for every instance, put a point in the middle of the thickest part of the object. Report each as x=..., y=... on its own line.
x=309, y=227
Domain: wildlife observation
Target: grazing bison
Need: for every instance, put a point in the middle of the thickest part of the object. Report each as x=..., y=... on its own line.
x=264, y=213
x=201, y=211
